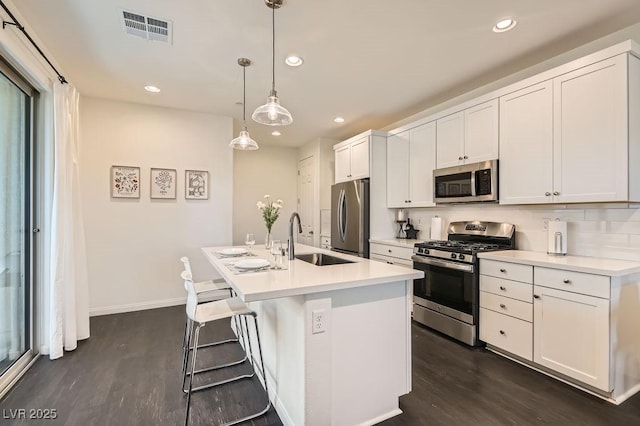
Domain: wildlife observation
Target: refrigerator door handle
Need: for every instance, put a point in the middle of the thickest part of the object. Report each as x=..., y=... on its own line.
x=345, y=216
x=339, y=214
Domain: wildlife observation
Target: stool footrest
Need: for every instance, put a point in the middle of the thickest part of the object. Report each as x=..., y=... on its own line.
x=218, y=367
x=221, y=382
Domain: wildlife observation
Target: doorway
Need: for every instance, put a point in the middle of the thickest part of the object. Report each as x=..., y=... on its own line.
x=306, y=199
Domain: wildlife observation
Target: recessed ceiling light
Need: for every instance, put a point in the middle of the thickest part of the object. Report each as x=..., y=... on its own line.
x=276, y=133
x=338, y=120
x=293, y=61
x=152, y=89
x=504, y=25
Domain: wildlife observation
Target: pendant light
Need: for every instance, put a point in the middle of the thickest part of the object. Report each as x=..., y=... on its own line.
x=272, y=113
x=244, y=141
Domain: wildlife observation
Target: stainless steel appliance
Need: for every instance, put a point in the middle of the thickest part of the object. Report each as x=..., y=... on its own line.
x=350, y=217
x=447, y=298
x=467, y=183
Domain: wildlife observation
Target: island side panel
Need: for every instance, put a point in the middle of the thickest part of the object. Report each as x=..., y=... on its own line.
x=625, y=336
x=281, y=323
x=370, y=345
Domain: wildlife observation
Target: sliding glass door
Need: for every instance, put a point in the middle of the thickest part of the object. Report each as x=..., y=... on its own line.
x=16, y=245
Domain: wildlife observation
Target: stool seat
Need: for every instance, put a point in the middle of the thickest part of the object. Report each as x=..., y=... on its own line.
x=220, y=309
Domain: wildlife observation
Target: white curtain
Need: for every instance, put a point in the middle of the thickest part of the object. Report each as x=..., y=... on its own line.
x=68, y=318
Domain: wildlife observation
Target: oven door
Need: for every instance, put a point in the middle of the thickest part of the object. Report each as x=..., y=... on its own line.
x=449, y=288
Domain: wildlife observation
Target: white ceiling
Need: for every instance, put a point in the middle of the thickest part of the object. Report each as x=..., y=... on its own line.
x=372, y=61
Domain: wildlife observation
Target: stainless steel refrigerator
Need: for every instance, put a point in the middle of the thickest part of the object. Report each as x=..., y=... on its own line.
x=350, y=217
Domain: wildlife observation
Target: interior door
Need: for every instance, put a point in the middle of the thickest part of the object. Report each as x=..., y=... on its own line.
x=306, y=185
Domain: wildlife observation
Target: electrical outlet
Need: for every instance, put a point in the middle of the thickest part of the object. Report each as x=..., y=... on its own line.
x=318, y=321
x=545, y=224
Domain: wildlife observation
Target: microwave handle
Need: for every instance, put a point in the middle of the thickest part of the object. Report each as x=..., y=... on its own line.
x=473, y=183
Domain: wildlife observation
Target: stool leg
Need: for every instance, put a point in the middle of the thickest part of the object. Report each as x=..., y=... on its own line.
x=185, y=345
x=249, y=353
x=185, y=360
x=193, y=366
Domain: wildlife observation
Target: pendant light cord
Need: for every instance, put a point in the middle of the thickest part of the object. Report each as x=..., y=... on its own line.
x=244, y=96
x=273, y=47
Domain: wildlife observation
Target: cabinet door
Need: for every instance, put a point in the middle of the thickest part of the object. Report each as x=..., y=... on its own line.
x=591, y=133
x=481, y=132
x=398, y=170
x=571, y=335
x=360, y=159
x=526, y=145
x=450, y=140
x=343, y=163
x=422, y=161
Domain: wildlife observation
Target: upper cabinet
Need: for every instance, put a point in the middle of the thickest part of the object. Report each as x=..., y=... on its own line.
x=468, y=136
x=411, y=158
x=566, y=140
x=352, y=159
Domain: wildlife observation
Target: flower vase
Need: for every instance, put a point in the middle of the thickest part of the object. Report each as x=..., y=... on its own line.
x=268, y=241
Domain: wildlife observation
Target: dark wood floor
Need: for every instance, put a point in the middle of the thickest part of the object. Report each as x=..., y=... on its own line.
x=127, y=374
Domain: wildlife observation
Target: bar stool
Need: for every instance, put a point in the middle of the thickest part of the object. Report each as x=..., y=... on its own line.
x=201, y=314
x=207, y=291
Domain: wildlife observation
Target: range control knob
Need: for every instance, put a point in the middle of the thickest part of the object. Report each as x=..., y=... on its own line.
x=454, y=256
x=461, y=256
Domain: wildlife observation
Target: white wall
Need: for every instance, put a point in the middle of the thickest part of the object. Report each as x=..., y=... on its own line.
x=593, y=230
x=269, y=170
x=134, y=245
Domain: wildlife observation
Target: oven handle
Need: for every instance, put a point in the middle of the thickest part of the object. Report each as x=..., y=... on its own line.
x=443, y=263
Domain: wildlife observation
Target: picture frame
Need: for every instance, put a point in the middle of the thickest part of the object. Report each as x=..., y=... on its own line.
x=125, y=182
x=163, y=183
x=196, y=185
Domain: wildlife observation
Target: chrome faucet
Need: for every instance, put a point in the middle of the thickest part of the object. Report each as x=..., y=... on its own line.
x=291, y=242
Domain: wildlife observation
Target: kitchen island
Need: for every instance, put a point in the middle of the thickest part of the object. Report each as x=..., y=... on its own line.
x=336, y=338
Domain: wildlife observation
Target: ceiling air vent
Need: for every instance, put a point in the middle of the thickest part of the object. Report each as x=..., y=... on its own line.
x=146, y=27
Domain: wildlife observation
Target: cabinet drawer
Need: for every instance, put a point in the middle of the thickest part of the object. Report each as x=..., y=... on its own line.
x=392, y=251
x=510, y=271
x=506, y=306
x=392, y=260
x=507, y=333
x=508, y=288
x=576, y=282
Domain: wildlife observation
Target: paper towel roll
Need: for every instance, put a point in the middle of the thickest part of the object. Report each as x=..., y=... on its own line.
x=436, y=228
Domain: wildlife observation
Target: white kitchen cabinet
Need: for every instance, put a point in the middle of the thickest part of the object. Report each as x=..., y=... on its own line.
x=352, y=160
x=571, y=335
x=567, y=140
x=411, y=157
x=526, y=145
x=391, y=254
x=468, y=136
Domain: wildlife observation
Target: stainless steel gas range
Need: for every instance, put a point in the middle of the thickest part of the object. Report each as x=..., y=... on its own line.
x=447, y=298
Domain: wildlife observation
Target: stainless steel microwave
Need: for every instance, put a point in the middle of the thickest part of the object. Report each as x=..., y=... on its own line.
x=467, y=183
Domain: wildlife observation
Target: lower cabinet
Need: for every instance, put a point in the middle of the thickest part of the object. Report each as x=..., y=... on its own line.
x=391, y=254
x=557, y=320
x=571, y=335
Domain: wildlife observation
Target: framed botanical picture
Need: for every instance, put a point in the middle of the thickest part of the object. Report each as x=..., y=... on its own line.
x=125, y=182
x=163, y=183
x=196, y=185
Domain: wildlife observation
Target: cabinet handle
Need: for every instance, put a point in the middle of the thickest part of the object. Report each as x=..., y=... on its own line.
x=502, y=332
x=390, y=263
x=503, y=270
x=556, y=193
x=465, y=157
x=547, y=194
x=389, y=250
x=566, y=281
x=503, y=306
x=460, y=158
x=535, y=296
x=503, y=288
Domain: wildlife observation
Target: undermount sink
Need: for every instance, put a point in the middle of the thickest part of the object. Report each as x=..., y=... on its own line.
x=321, y=259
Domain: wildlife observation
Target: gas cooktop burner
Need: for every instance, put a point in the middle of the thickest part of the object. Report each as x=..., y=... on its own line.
x=461, y=246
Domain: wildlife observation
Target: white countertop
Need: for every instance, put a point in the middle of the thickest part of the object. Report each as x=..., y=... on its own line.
x=398, y=242
x=304, y=278
x=591, y=265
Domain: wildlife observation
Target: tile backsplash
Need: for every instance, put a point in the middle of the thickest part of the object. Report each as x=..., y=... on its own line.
x=611, y=230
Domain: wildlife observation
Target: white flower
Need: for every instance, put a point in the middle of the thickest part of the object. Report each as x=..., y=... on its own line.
x=267, y=196
x=279, y=202
x=260, y=205
x=277, y=205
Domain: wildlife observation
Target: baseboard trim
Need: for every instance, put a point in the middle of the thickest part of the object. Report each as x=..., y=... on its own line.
x=132, y=307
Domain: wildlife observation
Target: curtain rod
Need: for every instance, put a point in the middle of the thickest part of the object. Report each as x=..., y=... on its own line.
x=16, y=24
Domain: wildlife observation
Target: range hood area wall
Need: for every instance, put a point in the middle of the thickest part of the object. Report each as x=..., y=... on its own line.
x=609, y=231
